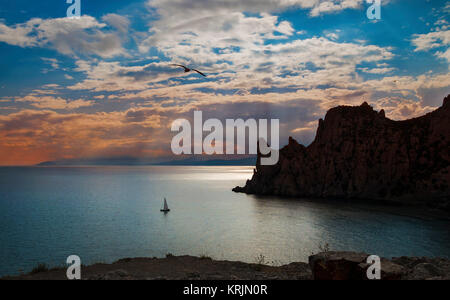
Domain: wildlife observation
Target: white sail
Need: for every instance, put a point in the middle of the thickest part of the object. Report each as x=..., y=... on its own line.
x=166, y=207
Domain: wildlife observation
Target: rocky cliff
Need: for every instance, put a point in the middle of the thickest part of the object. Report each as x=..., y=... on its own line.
x=358, y=153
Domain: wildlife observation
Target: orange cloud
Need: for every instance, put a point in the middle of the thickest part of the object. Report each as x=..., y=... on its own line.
x=30, y=137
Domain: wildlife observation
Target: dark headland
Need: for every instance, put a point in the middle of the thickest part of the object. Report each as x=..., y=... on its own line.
x=358, y=153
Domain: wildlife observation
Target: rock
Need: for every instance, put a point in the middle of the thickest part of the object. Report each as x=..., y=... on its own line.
x=159, y=278
x=408, y=262
x=337, y=265
x=121, y=273
x=215, y=277
x=112, y=275
x=302, y=271
x=426, y=271
x=358, y=153
x=389, y=270
x=193, y=275
x=446, y=278
x=422, y=268
x=350, y=266
x=326, y=265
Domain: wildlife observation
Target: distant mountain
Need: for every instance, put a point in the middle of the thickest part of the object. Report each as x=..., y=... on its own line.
x=250, y=161
x=117, y=161
x=358, y=153
x=133, y=161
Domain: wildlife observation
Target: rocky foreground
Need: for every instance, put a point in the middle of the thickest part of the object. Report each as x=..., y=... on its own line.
x=322, y=266
x=358, y=153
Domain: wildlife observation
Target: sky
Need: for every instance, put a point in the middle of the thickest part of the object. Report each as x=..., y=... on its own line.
x=102, y=85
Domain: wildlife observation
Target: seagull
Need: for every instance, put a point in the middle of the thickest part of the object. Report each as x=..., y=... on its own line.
x=186, y=69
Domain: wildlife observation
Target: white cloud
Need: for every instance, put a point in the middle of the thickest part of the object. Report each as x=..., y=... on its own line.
x=112, y=76
x=322, y=6
x=221, y=31
x=444, y=55
x=68, y=36
x=118, y=22
x=17, y=35
x=174, y=8
x=332, y=36
x=431, y=40
x=53, y=62
x=377, y=70
x=295, y=64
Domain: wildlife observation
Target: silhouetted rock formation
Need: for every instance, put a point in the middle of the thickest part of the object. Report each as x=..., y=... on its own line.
x=359, y=153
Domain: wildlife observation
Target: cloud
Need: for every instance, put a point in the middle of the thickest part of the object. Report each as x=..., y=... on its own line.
x=112, y=76
x=118, y=22
x=432, y=40
x=444, y=55
x=51, y=102
x=174, y=8
x=257, y=65
x=332, y=36
x=53, y=62
x=322, y=7
x=377, y=70
x=17, y=35
x=237, y=52
x=30, y=136
x=255, y=72
x=222, y=32
x=69, y=36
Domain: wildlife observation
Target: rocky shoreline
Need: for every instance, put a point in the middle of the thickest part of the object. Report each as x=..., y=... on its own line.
x=322, y=266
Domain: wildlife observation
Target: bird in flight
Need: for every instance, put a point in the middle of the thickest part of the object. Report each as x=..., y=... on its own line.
x=186, y=69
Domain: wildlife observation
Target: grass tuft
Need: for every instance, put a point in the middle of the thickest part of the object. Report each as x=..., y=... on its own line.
x=260, y=260
x=40, y=268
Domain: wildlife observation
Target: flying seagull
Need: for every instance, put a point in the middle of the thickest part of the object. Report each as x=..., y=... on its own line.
x=186, y=69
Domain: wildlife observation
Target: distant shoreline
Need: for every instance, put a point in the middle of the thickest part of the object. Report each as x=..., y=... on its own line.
x=129, y=161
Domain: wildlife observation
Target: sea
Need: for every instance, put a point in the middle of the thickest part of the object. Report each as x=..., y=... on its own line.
x=106, y=213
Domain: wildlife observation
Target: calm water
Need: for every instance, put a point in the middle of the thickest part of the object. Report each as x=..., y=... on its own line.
x=106, y=213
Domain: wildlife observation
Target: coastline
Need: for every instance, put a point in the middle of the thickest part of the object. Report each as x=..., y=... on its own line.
x=322, y=266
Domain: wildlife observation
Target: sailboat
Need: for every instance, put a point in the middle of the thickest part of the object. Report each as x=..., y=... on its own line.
x=166, y=207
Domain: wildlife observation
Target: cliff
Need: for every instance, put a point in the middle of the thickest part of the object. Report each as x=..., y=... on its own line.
x=358, y=153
